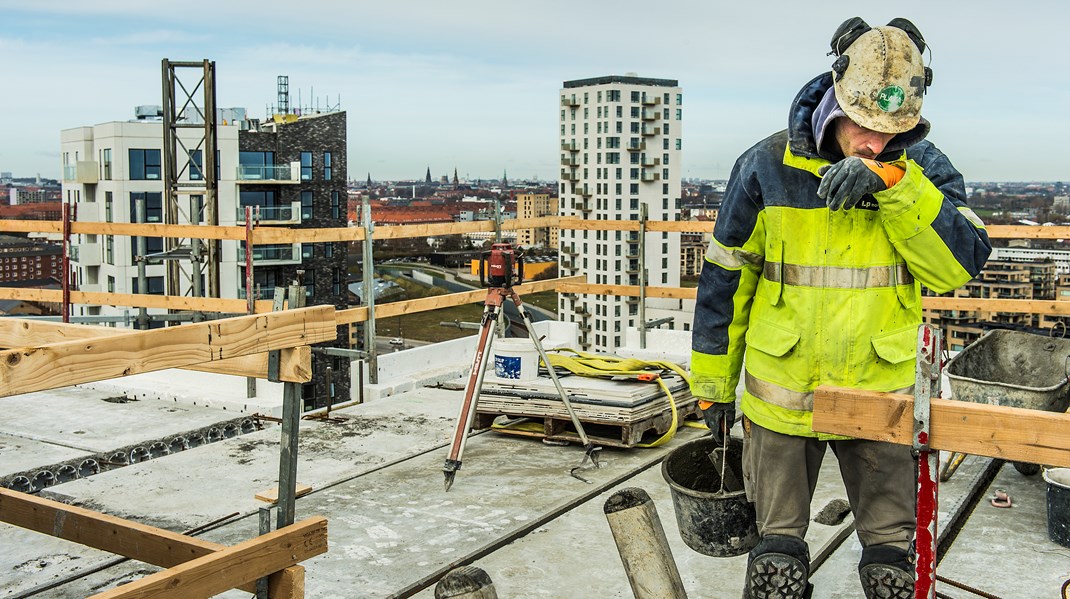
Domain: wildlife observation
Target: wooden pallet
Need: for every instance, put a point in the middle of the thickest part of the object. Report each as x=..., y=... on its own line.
x=557, y=426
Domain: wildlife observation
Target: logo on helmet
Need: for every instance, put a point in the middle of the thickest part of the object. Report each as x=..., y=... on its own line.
x=891, y=98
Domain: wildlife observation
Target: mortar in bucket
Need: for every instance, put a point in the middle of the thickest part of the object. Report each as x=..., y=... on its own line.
x=1058, y=480
x=516, y=358
x=712, y=521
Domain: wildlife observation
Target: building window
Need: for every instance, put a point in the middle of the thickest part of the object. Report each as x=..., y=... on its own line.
x=679, y=144
x=679, y=114
x=335, y=206
x=635, y=96
x=306, y=204
x=306, y=166
x=195, y=166
x=144, y=165
x=105, y=164
x=107, y=206
x=153, y=206
x=326, y=166
x=634, y=188
x=111, y=283
x=613, y=95
x=153, y=285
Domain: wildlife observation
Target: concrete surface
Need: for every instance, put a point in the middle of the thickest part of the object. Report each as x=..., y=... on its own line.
x=513, y=510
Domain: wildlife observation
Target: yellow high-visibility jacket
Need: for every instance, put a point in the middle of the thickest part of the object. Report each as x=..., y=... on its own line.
x=816, y=297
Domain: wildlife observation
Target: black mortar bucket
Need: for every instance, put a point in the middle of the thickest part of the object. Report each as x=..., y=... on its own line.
x=712, y=522
x=1058, y=480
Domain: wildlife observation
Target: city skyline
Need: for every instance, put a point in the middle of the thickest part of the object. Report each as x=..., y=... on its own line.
x=474, y=85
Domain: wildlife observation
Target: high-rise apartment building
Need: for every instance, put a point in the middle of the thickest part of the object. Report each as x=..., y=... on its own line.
x=620, y=155
x=293, y=169
x=534, y=205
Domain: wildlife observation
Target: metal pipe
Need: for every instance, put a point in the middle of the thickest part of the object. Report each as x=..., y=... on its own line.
x=642, y=275
x=142, y=280
x=66, y=279
x=368, y=269
x=250, y=297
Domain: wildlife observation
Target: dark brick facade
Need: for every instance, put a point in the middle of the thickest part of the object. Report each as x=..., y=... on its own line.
x=324, y=264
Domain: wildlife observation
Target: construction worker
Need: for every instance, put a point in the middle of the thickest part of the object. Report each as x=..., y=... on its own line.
x=825, y=235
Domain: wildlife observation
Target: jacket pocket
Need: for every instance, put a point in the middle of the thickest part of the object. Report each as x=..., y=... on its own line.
x=770, y=339
x=898, y=346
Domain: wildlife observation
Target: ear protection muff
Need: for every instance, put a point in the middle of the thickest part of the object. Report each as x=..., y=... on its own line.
x=853, y=28
x=847, y=33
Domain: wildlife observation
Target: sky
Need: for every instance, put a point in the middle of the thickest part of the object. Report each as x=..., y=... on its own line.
x=475, y=84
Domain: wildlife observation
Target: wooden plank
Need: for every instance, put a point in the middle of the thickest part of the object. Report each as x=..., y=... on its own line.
x=629, y=290
x=272, y=495
x=159, y=230
x=295, y=364
x=1027, y=232
x=997, y=305
x=143, y=543
x=1016, y=434
x=31, y=226
x=352, y=315
x=580, y=224
x=81, y=361
x=230, y=567
x=167, y=302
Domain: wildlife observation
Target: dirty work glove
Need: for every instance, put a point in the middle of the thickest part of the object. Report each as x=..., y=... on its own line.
x=719, y=418
x=847, y=181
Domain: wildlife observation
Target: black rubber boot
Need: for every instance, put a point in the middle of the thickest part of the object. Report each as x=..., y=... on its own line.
x=778, y=568
x=886, y=572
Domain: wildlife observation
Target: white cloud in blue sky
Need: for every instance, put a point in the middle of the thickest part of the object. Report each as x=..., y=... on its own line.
x=473, y=84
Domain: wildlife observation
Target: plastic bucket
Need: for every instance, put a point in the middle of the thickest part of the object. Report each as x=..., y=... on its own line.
x=710, y=522
x=1058, y=480
x=515, y=359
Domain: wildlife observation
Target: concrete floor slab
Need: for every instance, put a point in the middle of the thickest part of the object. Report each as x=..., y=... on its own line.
x=18, y=454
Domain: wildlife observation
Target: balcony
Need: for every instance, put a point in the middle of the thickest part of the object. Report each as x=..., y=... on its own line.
x=649, y=176
x=273, y=254
x=651, y=114
x=269, y=174
x=585, y=328
x=584, y=207
x=285, y=214
x=637, y=147
x=649, y=130
x=569, y=160
x=85, y=172
x=651, y=100
x=569, y=146
x=567, y=250
x=569, y=101
x=651, y=161
x=584, y=191
x=86, y=254
x=569, y=174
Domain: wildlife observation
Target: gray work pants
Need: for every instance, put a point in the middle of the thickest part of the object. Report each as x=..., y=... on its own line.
x=780, y=474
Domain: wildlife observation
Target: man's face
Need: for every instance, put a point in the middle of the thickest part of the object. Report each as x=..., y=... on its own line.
x=854, y=140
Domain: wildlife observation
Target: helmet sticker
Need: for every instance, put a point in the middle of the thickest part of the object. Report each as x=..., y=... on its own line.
x=891, y=98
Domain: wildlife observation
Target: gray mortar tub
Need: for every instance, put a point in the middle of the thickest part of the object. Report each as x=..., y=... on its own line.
x=1010, y=368
x=1015, y=369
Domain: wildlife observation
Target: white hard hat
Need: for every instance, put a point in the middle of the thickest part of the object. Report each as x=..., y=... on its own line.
x=880, y=78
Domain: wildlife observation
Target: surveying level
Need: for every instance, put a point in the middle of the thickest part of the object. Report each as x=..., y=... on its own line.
x=506, y=268
x=502, y=266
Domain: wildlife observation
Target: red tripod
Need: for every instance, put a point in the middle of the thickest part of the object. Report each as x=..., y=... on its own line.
x=505, y=267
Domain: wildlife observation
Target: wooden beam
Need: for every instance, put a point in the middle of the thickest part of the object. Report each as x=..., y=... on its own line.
x=1060, y=307
x=31, y=226
x=295, y=364
x=231, y=567
x=56, y=365
x=160, y=230
x=1017, y=434
x=629, y=290
x=136, y=541
x=167, y=302
x=1027, y=232
x=443, y=301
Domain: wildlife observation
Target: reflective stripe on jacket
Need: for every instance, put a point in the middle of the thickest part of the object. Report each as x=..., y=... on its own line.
x=816, y=297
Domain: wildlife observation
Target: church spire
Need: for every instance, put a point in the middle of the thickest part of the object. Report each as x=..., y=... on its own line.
x=505, y=179
x=427, y=179
x=455, y=181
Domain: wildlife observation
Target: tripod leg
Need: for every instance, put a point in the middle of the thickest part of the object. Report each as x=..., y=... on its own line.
x=471, y=391
x=589, y=448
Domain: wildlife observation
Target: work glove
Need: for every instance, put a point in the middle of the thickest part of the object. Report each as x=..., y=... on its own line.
x=719, y=418
x=845, y=183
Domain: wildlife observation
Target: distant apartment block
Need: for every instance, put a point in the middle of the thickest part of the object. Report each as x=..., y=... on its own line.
x=1000, y=279
x=534, y=205
x=25, y=261
x=620, y=149
x=290, y=170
